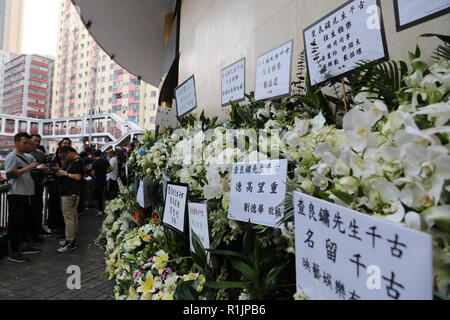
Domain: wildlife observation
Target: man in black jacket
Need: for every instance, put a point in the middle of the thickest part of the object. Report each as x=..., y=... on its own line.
x=100, y=168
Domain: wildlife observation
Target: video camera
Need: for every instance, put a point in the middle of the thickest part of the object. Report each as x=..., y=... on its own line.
x=50, y=161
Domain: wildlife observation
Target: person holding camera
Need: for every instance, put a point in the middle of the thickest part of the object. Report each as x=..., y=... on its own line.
x=70, y=189
x=38, y=198
x=18, y=167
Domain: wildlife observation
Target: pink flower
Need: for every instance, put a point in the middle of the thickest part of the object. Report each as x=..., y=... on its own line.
x=169, y=270
x=162, y=277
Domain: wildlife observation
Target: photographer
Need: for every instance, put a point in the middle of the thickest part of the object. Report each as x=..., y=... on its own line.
x=55, y=216
x=18, y=167
x=69, y=180
x=38, y=198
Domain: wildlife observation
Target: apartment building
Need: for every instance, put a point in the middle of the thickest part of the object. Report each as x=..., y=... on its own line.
x=88, y=80
x=27, y=86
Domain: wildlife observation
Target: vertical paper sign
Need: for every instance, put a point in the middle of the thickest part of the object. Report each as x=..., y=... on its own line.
x=233, y=83
x=258, y=190
x=351, y=33
x=273, y=73
x=165, y=181
x=175, y=206
x=186, y=97
x=140, y=194
x=344, y=254
x=409, y=13
x=198, y=223
x=166, y=117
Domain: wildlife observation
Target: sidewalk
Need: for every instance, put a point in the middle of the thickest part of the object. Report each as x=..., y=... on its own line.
x=45, y=277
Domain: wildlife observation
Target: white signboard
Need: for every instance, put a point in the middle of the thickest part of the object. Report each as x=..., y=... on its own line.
x=233, y=83
x=412, y=12
x=198, y=223
x=258, y=190
x=166, y=117
x=165, y=180
x=140, y=194
x=186, y=97
x=273, y=73
x=344, y=254
x=351, y=33
x=175, y=206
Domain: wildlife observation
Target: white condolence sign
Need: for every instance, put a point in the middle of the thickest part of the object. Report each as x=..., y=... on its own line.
x=186, y=97
x=273, y=73
x=344, y=254
x=198, y=223
x=140, y=194
x=175, y=206
x=409, y=13
x=351, y=33
x=233, y=83
x=258, y=191
x=166, y=117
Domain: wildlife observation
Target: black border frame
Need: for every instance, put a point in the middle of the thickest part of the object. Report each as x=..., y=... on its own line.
x=221, y=82
x=195, y=93
x=413, y=23
x=290, y=71
x=345, y=74
x=185, y=208
x=207, y=219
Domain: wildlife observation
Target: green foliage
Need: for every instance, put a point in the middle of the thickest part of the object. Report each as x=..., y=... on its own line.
x=383, y=80
x=190, y=120
x=186, y=291
x=257, y=266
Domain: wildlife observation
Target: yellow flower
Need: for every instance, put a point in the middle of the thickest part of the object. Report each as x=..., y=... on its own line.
x=132, y=294
x=147, y=285
x=160, y=260
x=167, y=296
x=193, y=277
x=146, y=238
x=147, y=296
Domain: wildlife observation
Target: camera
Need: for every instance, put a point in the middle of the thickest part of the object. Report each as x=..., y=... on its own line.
x=50, y=161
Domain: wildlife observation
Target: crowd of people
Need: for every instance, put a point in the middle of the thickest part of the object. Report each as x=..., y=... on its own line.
x=72, y=180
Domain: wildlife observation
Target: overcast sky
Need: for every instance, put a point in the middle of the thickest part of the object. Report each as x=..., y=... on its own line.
x=40, y=27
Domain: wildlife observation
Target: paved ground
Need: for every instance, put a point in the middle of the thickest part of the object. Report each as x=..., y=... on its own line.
x=45, y=277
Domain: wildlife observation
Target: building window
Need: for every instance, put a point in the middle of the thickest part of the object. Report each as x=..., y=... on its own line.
x=153, y=94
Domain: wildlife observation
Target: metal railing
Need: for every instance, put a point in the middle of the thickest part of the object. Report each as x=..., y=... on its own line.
x=3, y=203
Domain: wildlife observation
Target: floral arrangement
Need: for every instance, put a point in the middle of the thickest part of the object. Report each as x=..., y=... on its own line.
x=389, y=162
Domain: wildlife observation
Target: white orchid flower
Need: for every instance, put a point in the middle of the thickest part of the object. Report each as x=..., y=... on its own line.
x=390, y=196
x=394, y=122
x=263, y=112
x=358, y=125
x=437, y=215
x=424, y=161
x=440, y=111
x=318, y=122
x=415, y=79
